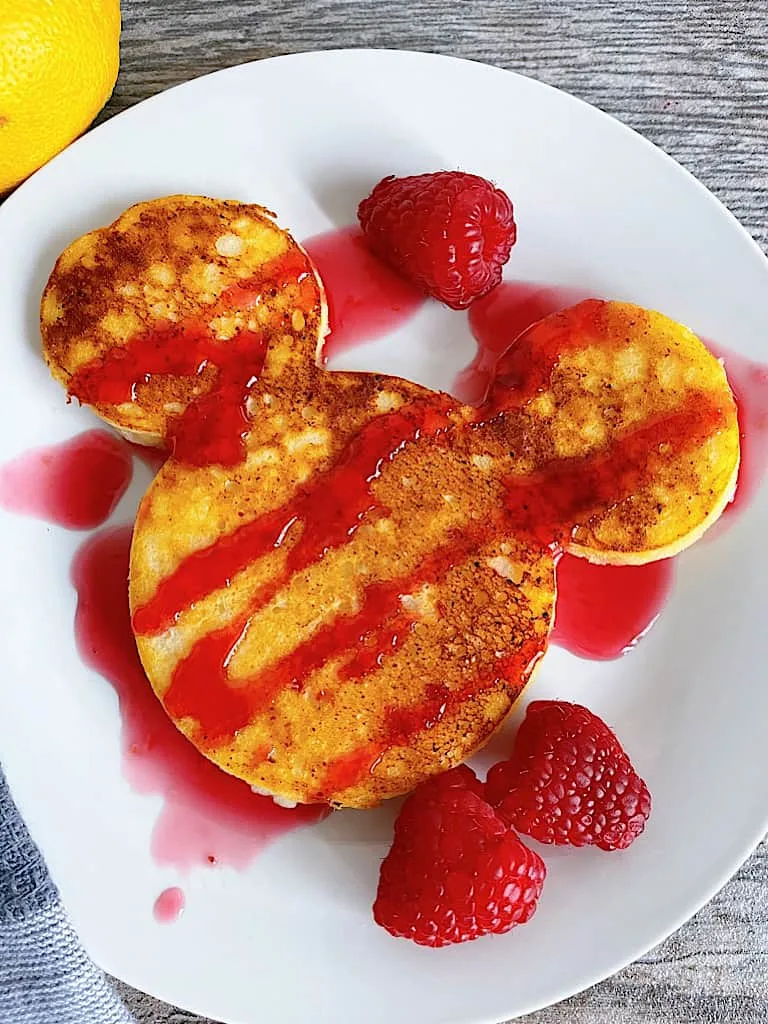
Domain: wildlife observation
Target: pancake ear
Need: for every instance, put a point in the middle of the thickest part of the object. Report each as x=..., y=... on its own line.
x=618, y=430
x=172, y=304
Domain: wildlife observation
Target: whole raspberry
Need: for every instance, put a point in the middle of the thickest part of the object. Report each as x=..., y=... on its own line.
x=568, y=781
x=449, y=233
x=455, y=871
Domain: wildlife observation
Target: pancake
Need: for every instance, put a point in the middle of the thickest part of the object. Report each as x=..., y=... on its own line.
x=344, y=613
x=140, y=317
x=619, y=431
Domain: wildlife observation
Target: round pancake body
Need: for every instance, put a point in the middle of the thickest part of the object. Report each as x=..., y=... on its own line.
x=621, y=432
x=380, y=633
x=184, y=272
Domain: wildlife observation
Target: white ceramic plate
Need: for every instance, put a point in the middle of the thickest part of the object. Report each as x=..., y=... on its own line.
x=291, y=939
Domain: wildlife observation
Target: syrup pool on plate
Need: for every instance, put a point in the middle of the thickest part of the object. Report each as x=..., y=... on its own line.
x=169, y=905
x=603, y=610
x=500, y=317
x=365, y=298
x=76, y=484
x=208, y=817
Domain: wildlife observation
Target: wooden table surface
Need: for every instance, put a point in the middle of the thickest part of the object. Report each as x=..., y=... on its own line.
x=692, y=77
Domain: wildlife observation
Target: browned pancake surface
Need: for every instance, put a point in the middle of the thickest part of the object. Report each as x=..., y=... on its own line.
x=170, y=263
x=396, y=651
x=620, y=430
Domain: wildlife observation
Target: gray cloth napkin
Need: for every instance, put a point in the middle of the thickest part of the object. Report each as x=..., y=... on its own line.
x=45, y=975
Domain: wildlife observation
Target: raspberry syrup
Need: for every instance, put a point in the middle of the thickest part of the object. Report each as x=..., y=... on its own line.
x=75, y=484
x=365, y=298
x=200, y=687
x=603, y=610
x=213, y=426
x=169, y=905
x=402, y=724
x=331, y=509
x=208, y=817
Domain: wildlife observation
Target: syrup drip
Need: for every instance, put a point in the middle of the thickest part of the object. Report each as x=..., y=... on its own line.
x=547, y=503
x=402, y=724
x=347, y=769
x=76, y=484
x=292, y=267
x=366, y=299
x=525, y=368
x=213, y=426
x=208, y=817
x=602, y=611
x=200, y=687
x=169, y=905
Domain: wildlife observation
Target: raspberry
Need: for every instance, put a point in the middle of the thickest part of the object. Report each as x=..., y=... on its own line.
x=455, y=871
x=449, y=233
x=569, y=781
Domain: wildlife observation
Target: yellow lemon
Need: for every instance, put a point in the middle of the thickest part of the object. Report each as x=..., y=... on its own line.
x=58, y=65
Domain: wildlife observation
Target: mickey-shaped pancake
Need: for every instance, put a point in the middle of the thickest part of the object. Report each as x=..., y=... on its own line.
x=341, y=582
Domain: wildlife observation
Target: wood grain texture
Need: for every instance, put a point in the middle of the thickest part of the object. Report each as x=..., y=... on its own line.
x=693, y=78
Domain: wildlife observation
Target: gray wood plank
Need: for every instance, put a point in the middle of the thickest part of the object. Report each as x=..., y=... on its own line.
x=692, y=77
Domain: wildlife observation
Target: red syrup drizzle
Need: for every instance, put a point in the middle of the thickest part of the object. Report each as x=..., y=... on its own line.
x=213, y=426
x=327, y=513
x=208, y=817
x=169, y=905
x=365, y=298
x=330, y=509
x=200, y=687
x=402, y=724
x=603, y=610
x=76, y=484
x=546, y=503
